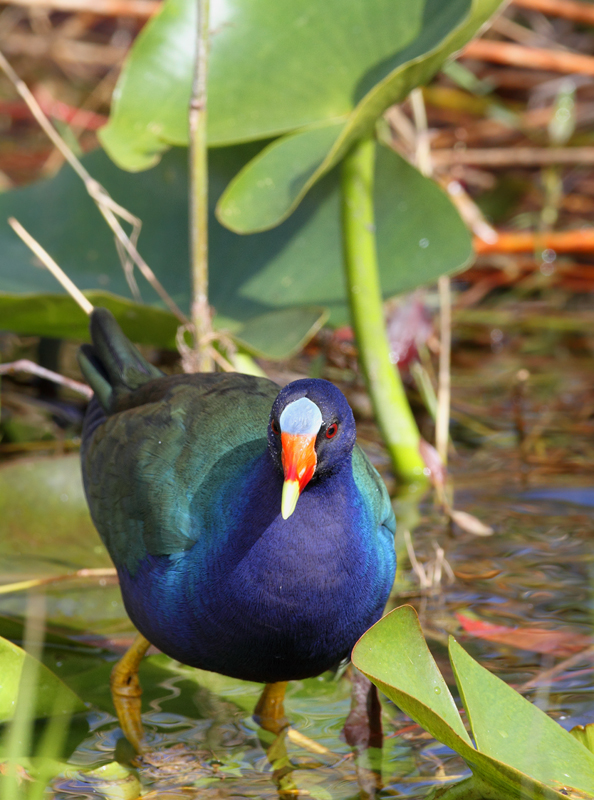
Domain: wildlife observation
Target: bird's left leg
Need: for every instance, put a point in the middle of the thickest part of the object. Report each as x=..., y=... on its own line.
x=363, y=732
x=270, y=709
x=126, y=691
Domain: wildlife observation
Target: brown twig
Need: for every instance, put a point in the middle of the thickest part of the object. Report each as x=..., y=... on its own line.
x=49, y=263
x=522, y=35
x=109, y=209
x=516, y=55
x=468, y=210
x=578, y=241
x=502, y=157
x=568, y=9
x=21, y=586
x=141, y=9
x=24, y=365
x=424, y=163
x=547, y=675
x=66, y=51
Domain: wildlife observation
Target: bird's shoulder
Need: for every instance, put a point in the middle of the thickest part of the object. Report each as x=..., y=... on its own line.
x=373, y=489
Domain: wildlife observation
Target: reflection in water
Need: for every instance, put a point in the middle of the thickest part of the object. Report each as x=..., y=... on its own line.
x=534, y=572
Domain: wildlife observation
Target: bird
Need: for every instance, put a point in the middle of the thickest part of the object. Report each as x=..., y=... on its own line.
x=251, y=535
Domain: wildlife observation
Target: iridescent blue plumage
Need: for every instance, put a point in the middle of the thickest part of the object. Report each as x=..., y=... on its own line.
x=184, y=479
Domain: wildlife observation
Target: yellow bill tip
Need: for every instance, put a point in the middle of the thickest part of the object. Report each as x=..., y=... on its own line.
x=290, y=497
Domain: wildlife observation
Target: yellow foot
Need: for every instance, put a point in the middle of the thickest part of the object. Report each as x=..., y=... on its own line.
x=270, y=709
x=126, y=692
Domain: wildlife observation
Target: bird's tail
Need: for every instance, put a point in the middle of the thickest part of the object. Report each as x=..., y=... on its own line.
x=111, y=364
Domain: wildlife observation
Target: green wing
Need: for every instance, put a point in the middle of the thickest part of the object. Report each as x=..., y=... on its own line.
x=147, y=460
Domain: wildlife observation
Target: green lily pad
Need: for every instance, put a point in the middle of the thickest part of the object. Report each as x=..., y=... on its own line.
x=260, y=194
x=111, y=781
x=271, y=186
x=44, y=514
x=52, y=696
x=269, y=290
x=274, y=67
x=72, y=230
x=393, y=654
x=59, y=316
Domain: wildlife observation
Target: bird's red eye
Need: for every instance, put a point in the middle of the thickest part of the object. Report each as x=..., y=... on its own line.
x=275, y=428
x=331, y=431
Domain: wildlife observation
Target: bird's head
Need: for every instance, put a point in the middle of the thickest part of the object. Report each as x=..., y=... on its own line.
x=311, y=433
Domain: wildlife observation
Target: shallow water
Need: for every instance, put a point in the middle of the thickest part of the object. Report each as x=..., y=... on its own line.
x=534, y=572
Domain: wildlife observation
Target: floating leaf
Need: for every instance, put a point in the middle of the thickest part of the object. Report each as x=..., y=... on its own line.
x=393, y=654
x=52, y=695
x=112, y=781
x=44, y=514
x=585, y=735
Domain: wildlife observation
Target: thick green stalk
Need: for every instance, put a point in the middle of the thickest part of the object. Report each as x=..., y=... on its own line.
x=384, y=385
x=200, y=311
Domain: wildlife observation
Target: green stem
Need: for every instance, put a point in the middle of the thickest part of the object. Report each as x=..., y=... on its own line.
x=384, y=385
x=200, y=311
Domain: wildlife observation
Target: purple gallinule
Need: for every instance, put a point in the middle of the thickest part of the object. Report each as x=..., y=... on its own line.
x=251, y=535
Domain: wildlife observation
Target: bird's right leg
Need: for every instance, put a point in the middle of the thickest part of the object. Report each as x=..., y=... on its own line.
x=126, y=692
x=270, y=709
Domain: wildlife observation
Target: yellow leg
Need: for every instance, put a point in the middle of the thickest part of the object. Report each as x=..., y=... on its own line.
x=270, y=710
x=126, y=691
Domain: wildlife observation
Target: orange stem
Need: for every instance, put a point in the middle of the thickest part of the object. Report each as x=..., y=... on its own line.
x=532, y=57
x=568, y=9
x=578, y=241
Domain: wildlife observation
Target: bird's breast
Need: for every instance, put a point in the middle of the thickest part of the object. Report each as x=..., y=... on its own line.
x=269, y=599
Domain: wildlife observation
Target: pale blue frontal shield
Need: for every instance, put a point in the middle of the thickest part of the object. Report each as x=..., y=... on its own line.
x=301, y=417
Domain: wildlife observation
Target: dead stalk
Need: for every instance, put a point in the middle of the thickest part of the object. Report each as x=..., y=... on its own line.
x=424, y=159
x=201, y=314
x=442, y=421
x=106, y=205
x=517, y=55
x=503, y=157
x=141, y=9
x=568, y=9
x=30, y=367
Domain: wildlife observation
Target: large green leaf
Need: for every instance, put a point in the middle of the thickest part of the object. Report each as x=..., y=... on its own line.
x=514, y=731
x=73, y=231
x=267, y=288
x=274, y=67
x=51, y=695
x=394, y=655
x=270, y=187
